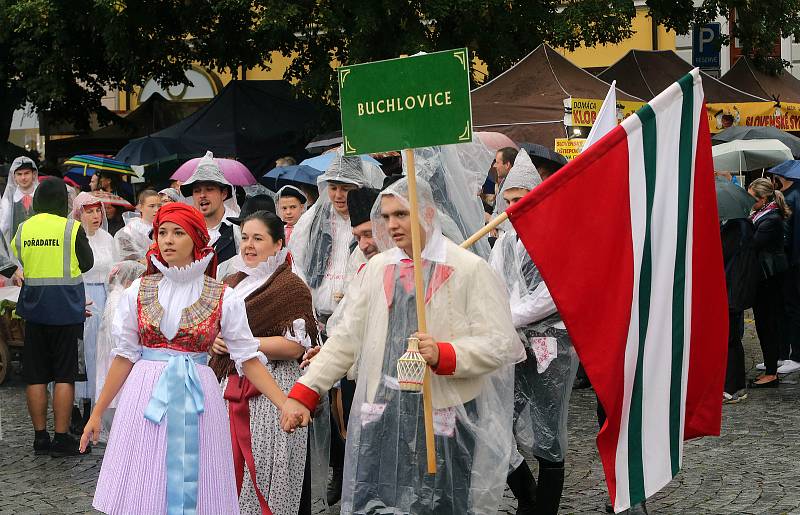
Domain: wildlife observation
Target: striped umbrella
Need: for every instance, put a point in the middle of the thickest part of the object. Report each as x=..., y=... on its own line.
x=86, y=165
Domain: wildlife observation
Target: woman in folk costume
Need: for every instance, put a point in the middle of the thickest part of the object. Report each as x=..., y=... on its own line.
x=270, y=464
x=322, y=239
x=543, y=382
x=16, y=205
x=469, y=349
x=120, y=278
x=170, y=447
x=90, y=212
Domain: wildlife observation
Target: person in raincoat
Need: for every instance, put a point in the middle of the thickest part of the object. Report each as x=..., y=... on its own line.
x=90, y=212
x=469, y=351
x=543, y=382
x=16, y=205
x=134, y=239
x=322, y=240
x=291, y=205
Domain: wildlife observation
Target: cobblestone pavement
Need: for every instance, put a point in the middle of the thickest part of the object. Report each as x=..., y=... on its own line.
x=751, y=468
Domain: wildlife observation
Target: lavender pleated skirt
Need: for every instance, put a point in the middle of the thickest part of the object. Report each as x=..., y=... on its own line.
x=133, y=477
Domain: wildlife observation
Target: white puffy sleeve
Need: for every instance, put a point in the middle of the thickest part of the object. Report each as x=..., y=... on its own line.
x=125, y=326
x=533, y=307
x=235, y=330
x=300, y=335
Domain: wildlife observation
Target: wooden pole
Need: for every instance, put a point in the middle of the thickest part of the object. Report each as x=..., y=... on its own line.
x=416, y=245
x=486, y=229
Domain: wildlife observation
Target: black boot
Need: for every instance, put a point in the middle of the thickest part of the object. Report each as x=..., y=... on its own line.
x=551, y=484
x=334, y=493
x=523, y=486
x=76, y=422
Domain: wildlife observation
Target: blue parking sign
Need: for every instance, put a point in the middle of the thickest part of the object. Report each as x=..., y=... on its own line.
x=705, y=46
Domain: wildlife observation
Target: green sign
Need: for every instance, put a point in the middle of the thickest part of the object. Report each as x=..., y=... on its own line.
x=409, y=102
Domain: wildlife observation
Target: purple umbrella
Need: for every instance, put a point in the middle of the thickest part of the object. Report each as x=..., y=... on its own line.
x=236, y=173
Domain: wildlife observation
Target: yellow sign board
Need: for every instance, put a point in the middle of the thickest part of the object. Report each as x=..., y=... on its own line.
x=569, y=148
x=783, y=115
x=585, y=110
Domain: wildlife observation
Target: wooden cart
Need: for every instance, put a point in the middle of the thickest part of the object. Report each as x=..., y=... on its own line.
x=12, y=336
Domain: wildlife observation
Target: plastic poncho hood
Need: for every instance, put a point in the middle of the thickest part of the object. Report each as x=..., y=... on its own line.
x=428, y=219
x=455, y=174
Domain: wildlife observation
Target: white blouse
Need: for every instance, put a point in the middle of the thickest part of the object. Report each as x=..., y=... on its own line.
x=178, y=289
x=256, y=277
x=104, y=251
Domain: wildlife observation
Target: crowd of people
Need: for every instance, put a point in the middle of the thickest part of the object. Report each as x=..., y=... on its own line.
x=238, y=353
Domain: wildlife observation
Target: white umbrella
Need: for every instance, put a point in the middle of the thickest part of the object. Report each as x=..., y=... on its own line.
x=750, y=154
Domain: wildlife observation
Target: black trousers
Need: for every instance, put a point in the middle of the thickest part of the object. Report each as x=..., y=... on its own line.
x=734, y=373
x=790, y=343
x=768, y=311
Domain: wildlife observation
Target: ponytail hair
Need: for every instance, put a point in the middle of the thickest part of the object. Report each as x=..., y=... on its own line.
x=783, y=207
x=763, y=188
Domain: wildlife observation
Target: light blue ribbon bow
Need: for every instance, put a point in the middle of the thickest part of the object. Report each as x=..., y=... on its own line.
x=179, y=395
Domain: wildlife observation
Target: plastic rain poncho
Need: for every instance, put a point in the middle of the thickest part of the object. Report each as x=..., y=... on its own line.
x=94, y=279
x=455, y=174
x=542, y=383
x=133, y=240
x=322, y=239
x=385, y=463
x=16, y=205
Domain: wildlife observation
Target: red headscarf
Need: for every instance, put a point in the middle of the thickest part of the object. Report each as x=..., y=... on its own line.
x=193, y=223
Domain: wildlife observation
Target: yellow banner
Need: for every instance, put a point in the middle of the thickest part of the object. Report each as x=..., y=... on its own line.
x=584, y=110
x=784, y=116
x=569, y=148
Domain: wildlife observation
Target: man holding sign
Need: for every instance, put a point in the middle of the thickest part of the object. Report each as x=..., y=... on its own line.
x=469, y=352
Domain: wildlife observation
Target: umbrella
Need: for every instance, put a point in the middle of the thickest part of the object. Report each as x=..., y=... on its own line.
x=494, y=141
x=146, y=150
x=86, y=165
x=325, y=141
x=295, y=175
x=745, y=155
x=789, y=169
x=739, y=133
x=324, y=161
x=732, y=201
x=111, y=199
x=540, y=154
x=236, y=173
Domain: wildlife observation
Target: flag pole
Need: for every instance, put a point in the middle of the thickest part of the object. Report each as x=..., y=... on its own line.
x=416, y=246
x=483, y=231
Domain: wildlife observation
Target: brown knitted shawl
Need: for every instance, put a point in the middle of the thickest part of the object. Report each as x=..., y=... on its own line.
x=271, y=310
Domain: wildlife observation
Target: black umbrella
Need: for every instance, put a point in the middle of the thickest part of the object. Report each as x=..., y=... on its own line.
x=543, y=155
x=146, y=150
x=323, y=142
x=732, y=201
x=744, y=132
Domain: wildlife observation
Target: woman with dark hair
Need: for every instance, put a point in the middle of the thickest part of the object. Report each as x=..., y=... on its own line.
x=169, y=449
x=769, y=213
x=269, y=463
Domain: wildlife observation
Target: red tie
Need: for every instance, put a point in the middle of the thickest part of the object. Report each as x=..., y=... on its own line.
x=27, y=200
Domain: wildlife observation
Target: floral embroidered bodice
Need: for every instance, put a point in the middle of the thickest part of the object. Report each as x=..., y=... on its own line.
x=199, y=322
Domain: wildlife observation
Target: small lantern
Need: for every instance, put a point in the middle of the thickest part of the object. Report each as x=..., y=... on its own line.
x=411, y=368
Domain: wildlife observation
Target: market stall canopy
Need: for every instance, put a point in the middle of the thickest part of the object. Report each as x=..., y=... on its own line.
x=646, y=73
x=743, y=75
x=526, y=102
x=152, y=115
x=254, y=121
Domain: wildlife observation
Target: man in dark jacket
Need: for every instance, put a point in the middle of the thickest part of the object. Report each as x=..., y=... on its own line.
x=790, y=349
x=54, y=251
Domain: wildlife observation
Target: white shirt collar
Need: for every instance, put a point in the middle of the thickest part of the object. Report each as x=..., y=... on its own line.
x=435, y=250
x=186, y=273
x=18, y=193
x=264, y=269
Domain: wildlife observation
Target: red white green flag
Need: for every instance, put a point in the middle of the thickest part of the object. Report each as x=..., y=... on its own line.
x=626, y=237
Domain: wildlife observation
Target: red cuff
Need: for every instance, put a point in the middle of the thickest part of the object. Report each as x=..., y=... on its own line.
x=305, y=396
x=447, y=359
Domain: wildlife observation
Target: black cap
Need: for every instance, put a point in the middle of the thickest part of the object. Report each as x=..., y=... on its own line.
x=253, y=204
x=391, y=179
x=359, y=205
x=292, y=191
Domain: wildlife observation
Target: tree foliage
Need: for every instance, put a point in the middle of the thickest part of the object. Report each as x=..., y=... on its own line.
x=63, y=55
